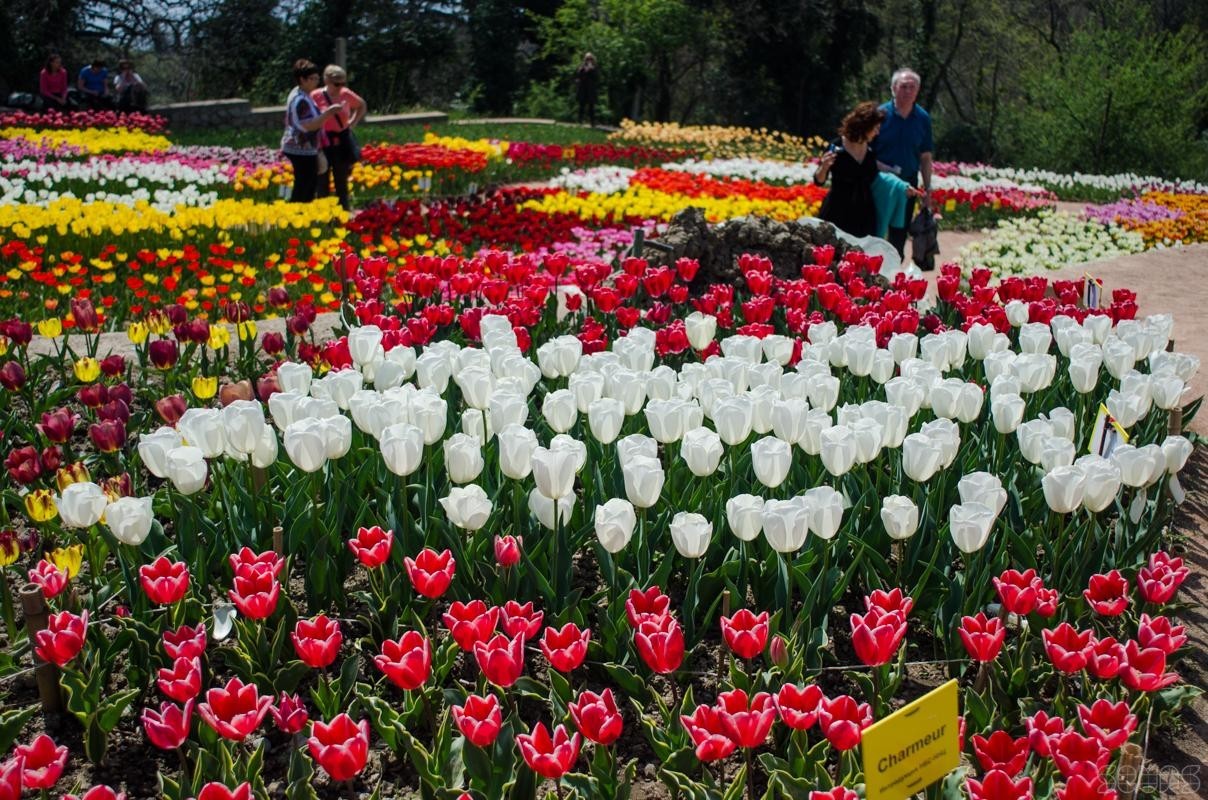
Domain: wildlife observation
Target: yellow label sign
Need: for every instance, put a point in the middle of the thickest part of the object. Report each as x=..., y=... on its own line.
x=913, y=747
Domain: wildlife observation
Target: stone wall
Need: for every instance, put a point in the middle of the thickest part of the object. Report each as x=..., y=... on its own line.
x=238, y=113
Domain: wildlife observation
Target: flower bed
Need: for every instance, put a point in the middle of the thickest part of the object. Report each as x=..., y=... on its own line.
x=530, y=512
x=1051, y=240
x=1078, y=186
x=1162, y=218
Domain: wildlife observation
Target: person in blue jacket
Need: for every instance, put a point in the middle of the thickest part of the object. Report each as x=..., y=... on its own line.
x=904, y=145
x=93, y=81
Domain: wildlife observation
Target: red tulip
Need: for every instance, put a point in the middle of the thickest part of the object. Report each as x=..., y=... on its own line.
x=1110, y=723
x=235, y=710
x=708, y=734
x=800, y=706
x=23, y=465
x=1080, y=787
x=169, y=727
x=317, y=641
x=52, y=579
x=837, y=793
x=84, y=314
x=289, y=713
x=745, y=633
x=218, y=791
x=470, y=623
x=521, y=620
x=108, y=436
x=10, y=778
x=42, y=762
x=1145, y=669
x=12, y=376
x=185, y=642
x=164, y=353
x=1067, y=648
x=1107, y=594
x=565, y=648
x=1075, y=754
x=431, y=572
x=63, y=638
x=256, y=592
x=1001, y=752
x=746, y=721
x=101, y=792
x=1046, y=601
x=1017, y=590
x=479, y=719
x=246, y=560
x=340, y=747
x=371, y=546
x=1106, y=658
x=893, y=600
x=406, y=662
x=983, y=637
x=1161, y=633
x=998, y=785
x=165, y=582
x=877, y=635
x=58, y=425
x=843, y=721
x=171, y=408
x=549, y=757
x=181, y=681
x=501, y=659
x=1043, y=731
x=1158, y=581
x=597, y=717
x=507, y=551
x=660, y=643
x=648, y=604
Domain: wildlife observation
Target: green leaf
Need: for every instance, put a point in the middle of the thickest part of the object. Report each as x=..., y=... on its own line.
x=11, y=723
x=111, y=709
x=300, y=777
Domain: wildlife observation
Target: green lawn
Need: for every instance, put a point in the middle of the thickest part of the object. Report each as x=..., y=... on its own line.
x=545, y=134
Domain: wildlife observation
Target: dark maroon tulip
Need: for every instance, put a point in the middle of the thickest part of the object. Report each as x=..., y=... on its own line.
x=94, y=395
x=164, y=353
x=278, y=297
x=267, y=386
x=113, y=365
x=19, y=332
x=58, y=425
x=84, y=314
x=114, y=410
x=171, y=408
x=23, y=465
x=237, y=311
x=273, y=343
x=177, y=315
x=12, y=376
x=52, y=458
x=120, y=391
x=108, y=435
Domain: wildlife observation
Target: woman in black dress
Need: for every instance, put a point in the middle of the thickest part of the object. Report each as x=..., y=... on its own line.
x=849, y=205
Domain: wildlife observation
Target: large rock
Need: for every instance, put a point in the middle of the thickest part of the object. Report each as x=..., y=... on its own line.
x=717, y=247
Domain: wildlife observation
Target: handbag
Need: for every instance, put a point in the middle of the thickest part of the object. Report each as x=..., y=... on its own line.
x=354, y=147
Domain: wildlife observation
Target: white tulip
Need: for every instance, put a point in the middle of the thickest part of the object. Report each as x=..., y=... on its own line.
x=691, y=533
x=921, y=457
x=970, y=524
x=788, y=419
x=900, y=516
x=404, y=357
x=1176, y=450
x=187, y=469
x=363, y=343
x=629, y=387
x=667, y=419
x=636, y=444
x=1056, y=451
x=982, y=488
x=294, y=377
x=1118, y=356
x=202, y=428
x=1167, y=390
x=433, y=370
x=903, y=346
x=1064, y=489
x=823, y=391
x=661, y=382
x=337, y=435
x=1035, y=337
x=1101, y=483
x=265, y=454
x=1032, y=436
x=786, y=523
x=554, y=471
x=771, y=459
x=838, y=449
x=153, y=449
x=643, y=478
x=981, y=340
x=744, y=514
x=430, y=413
x=463, y=457
x=559, y=410
x=130, y=519
x=732, y=417
x=542, y=508
x=701, y=329
x=402, y=447
x=587, y=387
x=467, y=507
x=701, y=449
x=305, y=444
x=82, y=504
x=1017, y=312
x=905, y=393
x=1007, y=412
x=604, y=418
x=825, y=511
x=614, y=524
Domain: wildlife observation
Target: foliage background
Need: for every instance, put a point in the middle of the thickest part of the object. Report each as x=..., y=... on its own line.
x=1091, y=85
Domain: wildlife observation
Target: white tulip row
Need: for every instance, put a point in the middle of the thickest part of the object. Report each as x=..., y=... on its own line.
x=84, y=504
x=1050, y=240
x=745, y=392
x=115, y=180
x=1117, y=183
x=164, y=200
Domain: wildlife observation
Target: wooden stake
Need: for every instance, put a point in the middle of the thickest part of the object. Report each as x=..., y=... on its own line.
x=37, y=614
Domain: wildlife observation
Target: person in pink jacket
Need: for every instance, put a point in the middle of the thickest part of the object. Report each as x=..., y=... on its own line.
x=52, y=83
x=341, y=149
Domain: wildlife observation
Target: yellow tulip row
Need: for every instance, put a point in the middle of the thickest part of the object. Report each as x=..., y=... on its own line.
x=649, y=203
x=717, y=141
x=92, y=140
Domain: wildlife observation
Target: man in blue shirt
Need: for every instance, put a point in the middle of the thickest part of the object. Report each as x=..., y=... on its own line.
x=93, y=81
x=904, y=145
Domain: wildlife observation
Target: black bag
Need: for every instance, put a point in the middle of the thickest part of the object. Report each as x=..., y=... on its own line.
x=924, y=239
x=25, y=101
x=354, y=147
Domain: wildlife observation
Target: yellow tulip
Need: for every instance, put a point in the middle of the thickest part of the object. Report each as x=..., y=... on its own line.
x=87, y=369
x=205, y=388
x=137, y=332
x=68, y=474
x=246, y=331
x=40, y=505
x=51, y=328
x=9, y=548
x=68, y=559
x=220, y=337
x=3, y=345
